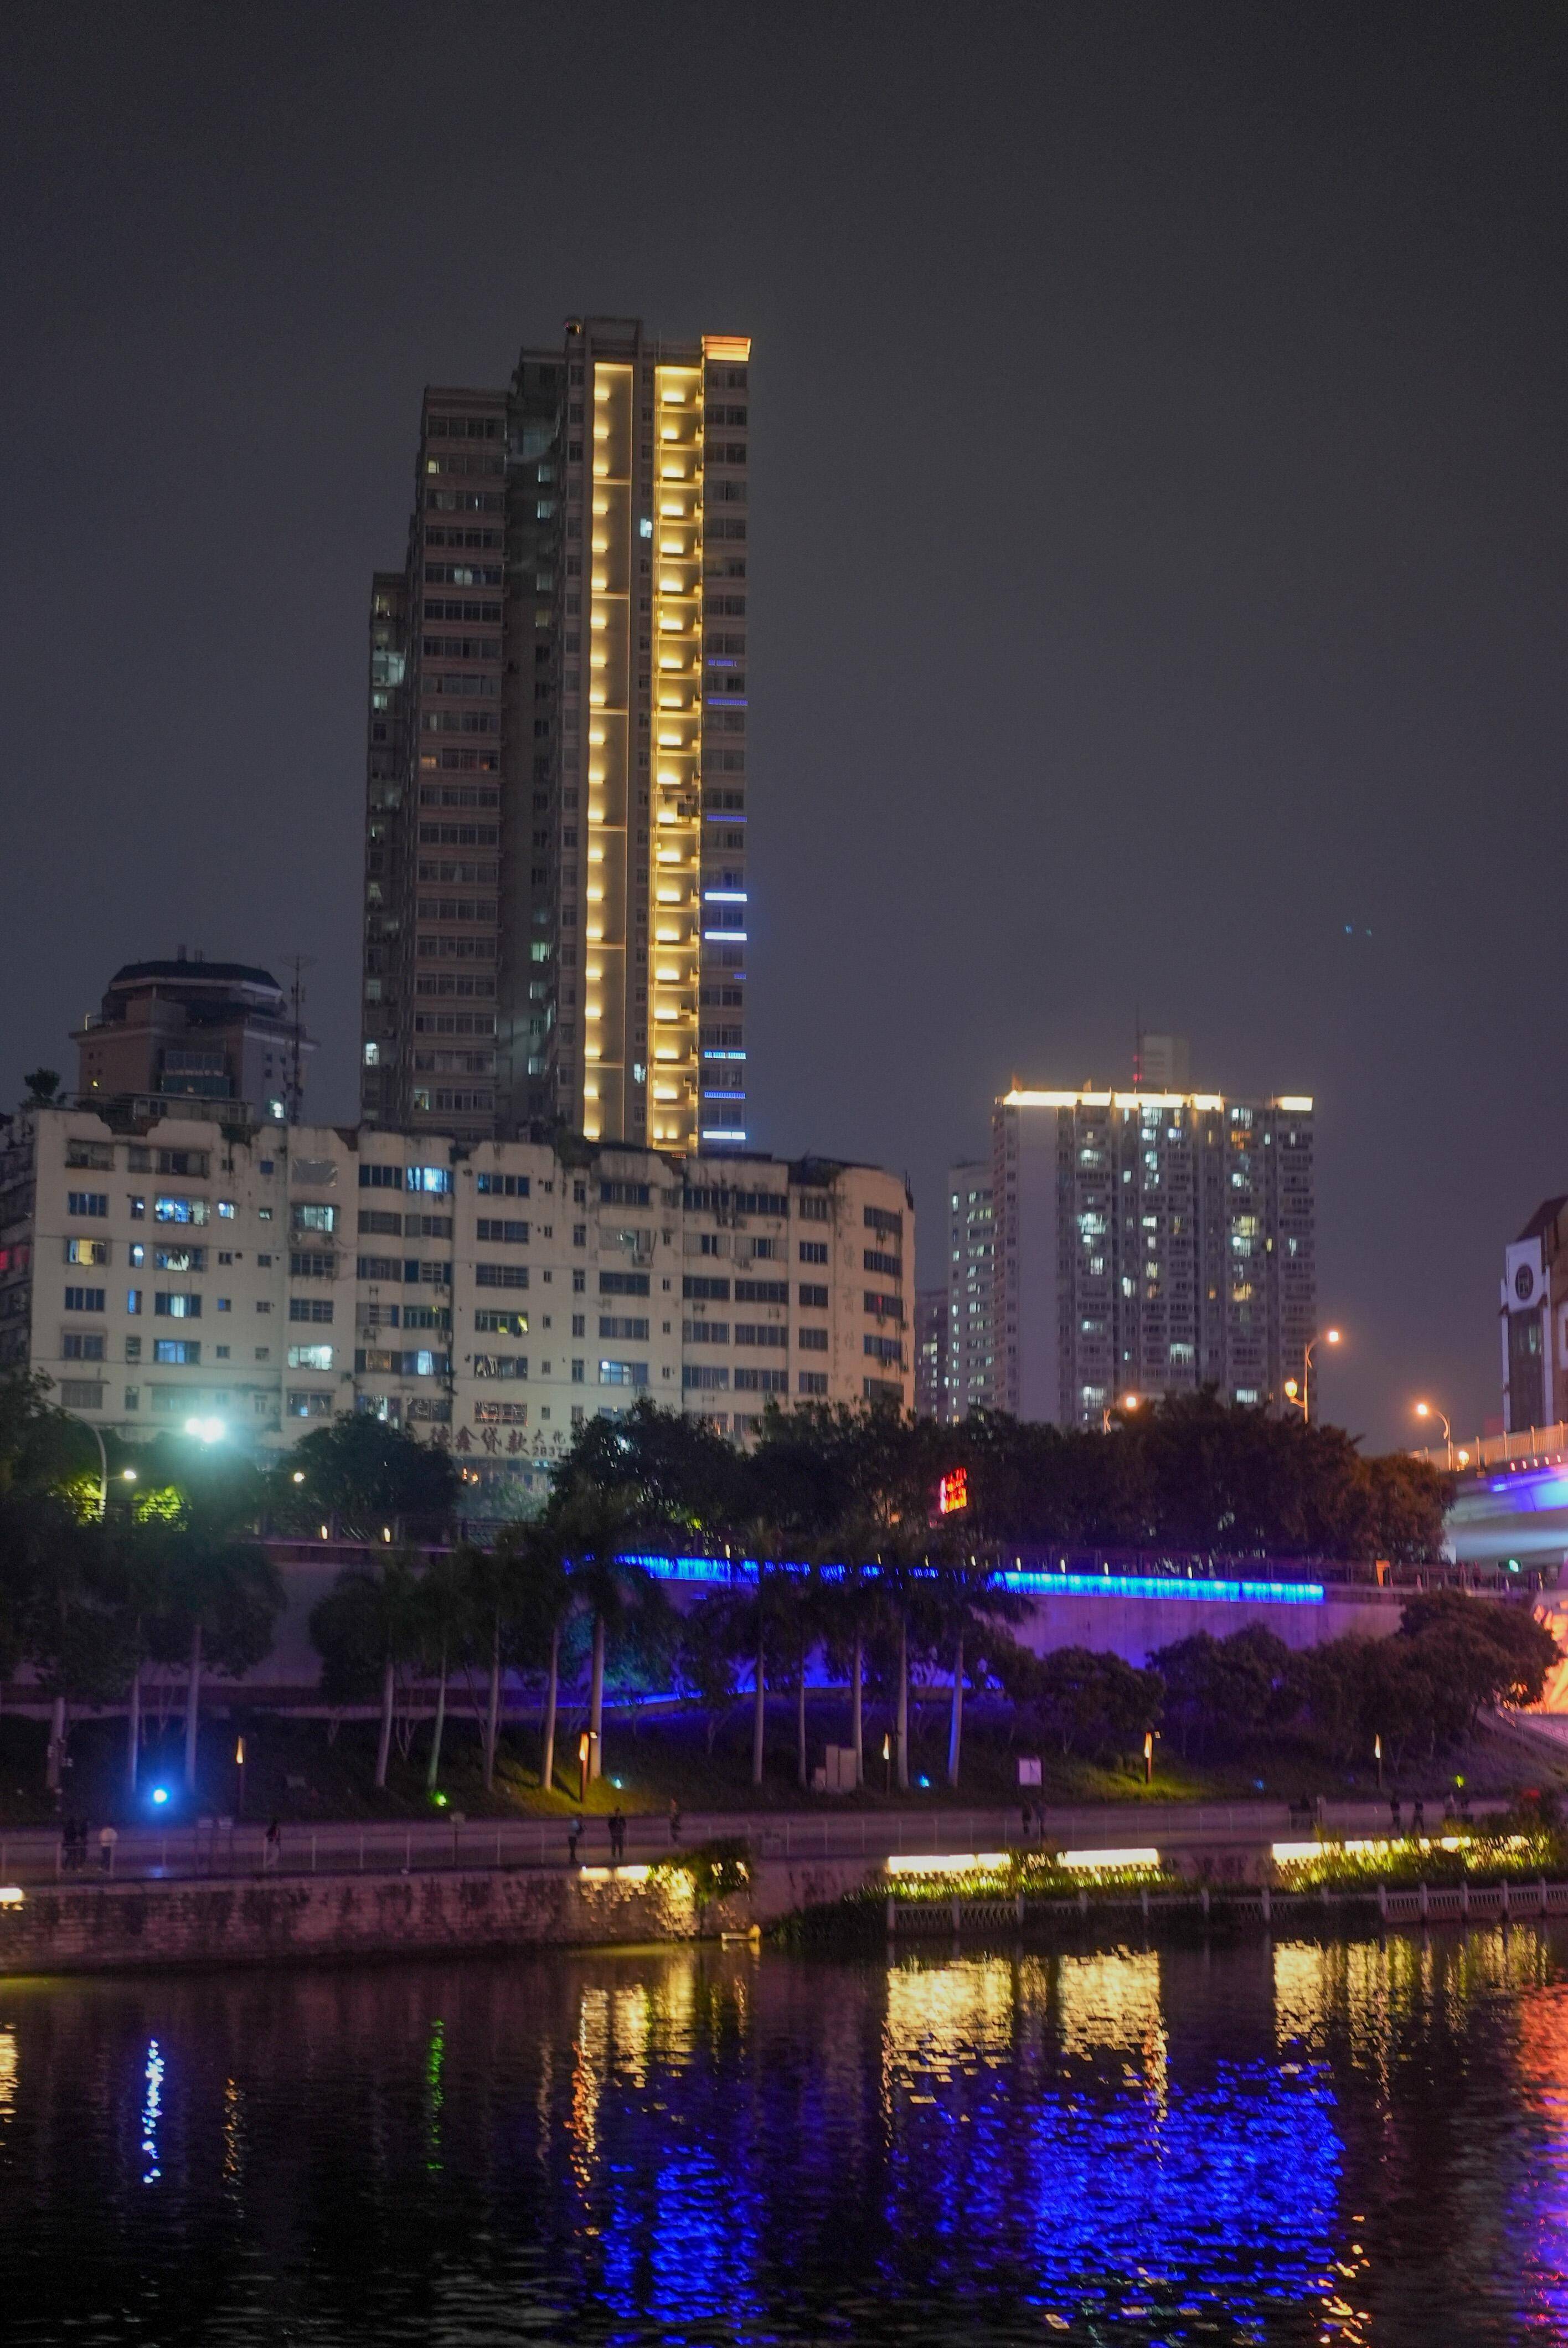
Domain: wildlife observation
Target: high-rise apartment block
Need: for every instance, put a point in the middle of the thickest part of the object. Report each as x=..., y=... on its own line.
x=971, y=1364
x=556, y=892
x=931, y=1352
x=165, y=1264
x=1150, y=1243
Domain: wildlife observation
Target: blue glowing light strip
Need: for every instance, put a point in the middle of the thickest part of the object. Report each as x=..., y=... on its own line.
x=1161, y=1585
x=1028, y=1584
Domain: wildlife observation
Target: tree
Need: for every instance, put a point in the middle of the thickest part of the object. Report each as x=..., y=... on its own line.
x=43, y=1084
x=759, y=1615
x=141, y=1560
x=1070, y=1699
x=969, y=1600
x=594, y=1525
x=223, y=1594
x=227, y=1595
x=442, y=1604
x=1478, y=1651
x=75, y=1635
x=368, y=1473
x=367, y=1627
x=711, y=1639
x=545, y=1602
x=678, y=1472
x=496, y=1580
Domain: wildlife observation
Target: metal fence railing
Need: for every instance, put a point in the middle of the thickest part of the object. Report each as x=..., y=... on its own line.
x=221, y=1849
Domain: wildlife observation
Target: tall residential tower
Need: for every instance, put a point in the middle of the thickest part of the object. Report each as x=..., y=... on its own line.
x=555, y=866
x=1150, y=1243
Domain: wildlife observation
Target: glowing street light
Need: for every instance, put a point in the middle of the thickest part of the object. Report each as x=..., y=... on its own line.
x=1299, y=1390
x=1124, y=1403
x=1430, y=1410
x=206, y=1430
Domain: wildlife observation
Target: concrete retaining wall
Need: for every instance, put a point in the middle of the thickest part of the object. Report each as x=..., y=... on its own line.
x=92, y=1928
x=110, y=1927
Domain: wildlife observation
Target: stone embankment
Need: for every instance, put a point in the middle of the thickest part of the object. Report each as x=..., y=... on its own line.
x=104, y=1926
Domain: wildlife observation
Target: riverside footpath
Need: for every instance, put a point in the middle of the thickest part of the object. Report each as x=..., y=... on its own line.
x=219, y=1894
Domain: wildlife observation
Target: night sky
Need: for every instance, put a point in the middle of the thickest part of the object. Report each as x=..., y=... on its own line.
x=1157, y=557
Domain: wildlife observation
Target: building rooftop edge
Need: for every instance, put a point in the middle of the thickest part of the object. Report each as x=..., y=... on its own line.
x=1026, y=1096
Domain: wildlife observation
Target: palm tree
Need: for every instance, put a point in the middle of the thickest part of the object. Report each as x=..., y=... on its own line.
x=442, y=1601
x=494, y=1581
x=854, y=1604
x=594, y=1526
x=968, y=1598
x=369, y=1624
x=805, y=1610
x=142, y=1562
x=548, y=1601
x=766, y=1547
x=227, y=1595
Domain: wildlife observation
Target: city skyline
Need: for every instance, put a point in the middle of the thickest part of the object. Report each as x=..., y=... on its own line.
x=1160, y=502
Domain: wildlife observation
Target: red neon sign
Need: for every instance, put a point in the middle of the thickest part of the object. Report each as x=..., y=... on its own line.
x=953, y=1492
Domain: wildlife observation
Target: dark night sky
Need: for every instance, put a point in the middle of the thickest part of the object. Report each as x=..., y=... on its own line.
x=1158, y=526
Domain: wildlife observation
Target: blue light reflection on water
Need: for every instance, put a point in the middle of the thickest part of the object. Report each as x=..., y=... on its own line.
x=978, y=2165
x=974, y=2151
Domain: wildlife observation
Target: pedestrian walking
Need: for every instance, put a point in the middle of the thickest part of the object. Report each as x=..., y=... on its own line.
x=273, y=1847
x=1396, y=1815
x=675, y=1820
x=1027, y=1817
x=573, y=1837
x=617, y=1835
x=1419, y=1816
x=1450, y=1812
x=107, y=1837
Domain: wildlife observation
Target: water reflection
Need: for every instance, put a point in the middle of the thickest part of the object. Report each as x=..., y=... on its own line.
x=1297, y=2143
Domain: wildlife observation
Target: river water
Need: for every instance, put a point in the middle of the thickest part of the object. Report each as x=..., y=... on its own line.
x=1253, y=2142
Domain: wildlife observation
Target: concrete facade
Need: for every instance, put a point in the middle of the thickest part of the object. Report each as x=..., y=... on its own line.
x=487, y=1297
x=1148, y=1244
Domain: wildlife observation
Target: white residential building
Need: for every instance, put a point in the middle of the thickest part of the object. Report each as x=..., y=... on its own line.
x=485, y=1295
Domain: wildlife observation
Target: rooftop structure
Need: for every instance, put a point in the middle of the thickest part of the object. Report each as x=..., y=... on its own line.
x=193, y=1029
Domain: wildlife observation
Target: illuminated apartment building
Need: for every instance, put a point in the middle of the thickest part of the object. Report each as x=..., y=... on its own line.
x=555, y=884
x=162, y=1262
x=971, y=1344
x=1150, y=1243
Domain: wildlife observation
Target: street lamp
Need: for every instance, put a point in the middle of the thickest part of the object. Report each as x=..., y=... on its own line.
x=1299, y=1391
x=1430, y=1410
x=1126, y=1401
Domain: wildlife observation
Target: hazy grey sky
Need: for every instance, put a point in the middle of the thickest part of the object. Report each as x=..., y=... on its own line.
x=1158, y=525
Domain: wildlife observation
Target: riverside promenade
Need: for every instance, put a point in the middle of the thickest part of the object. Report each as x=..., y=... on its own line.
x=223, y=1847
x=216, y=1895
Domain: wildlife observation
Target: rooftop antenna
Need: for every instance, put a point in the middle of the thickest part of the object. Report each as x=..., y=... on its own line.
x=297, y=963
